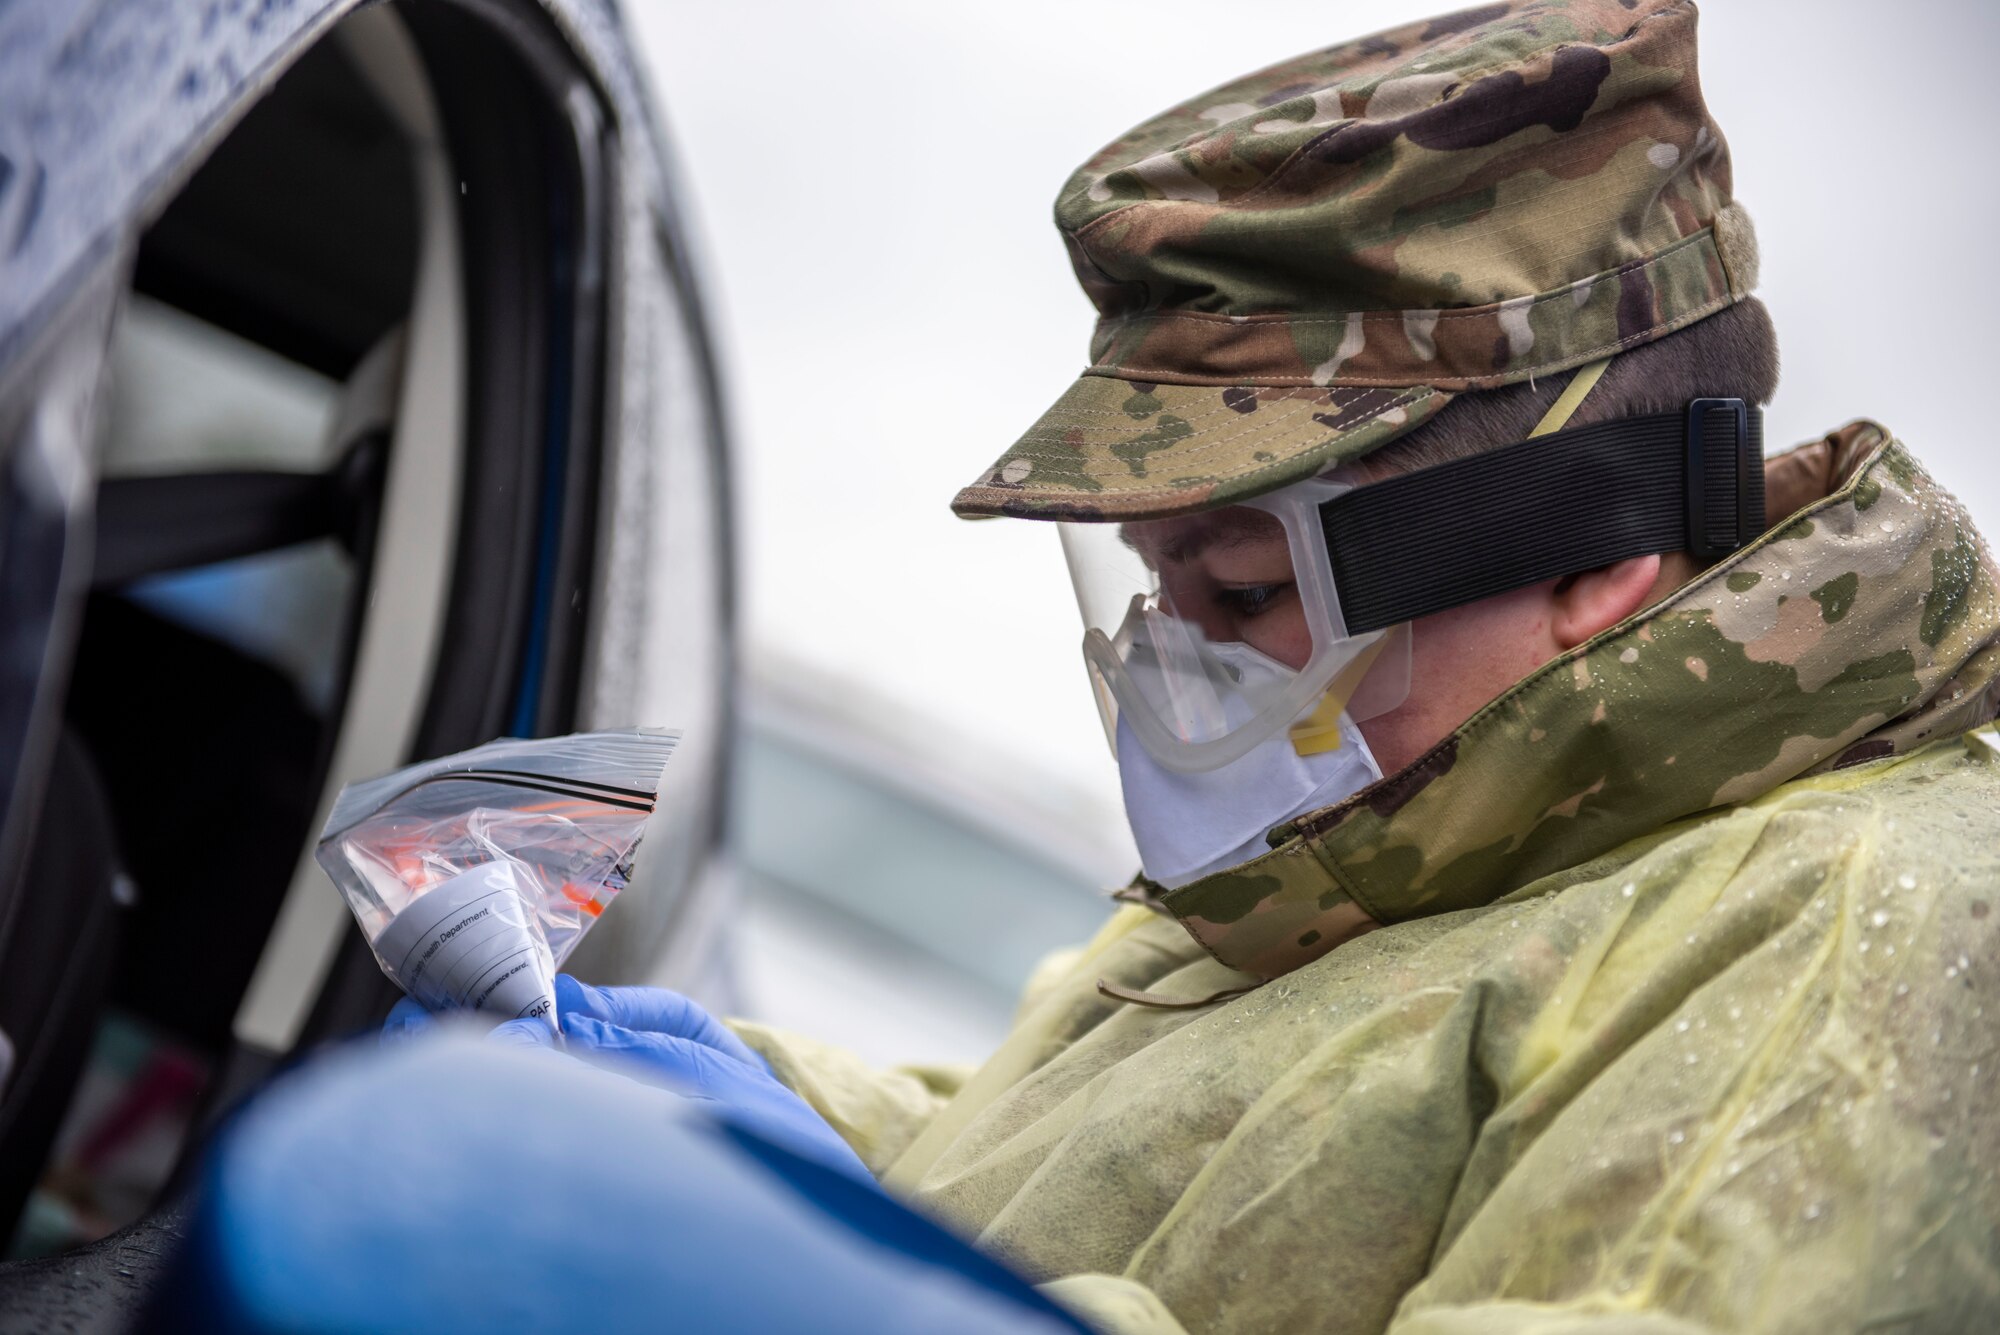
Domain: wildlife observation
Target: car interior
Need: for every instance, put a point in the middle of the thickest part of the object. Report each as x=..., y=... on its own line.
x=348, y=447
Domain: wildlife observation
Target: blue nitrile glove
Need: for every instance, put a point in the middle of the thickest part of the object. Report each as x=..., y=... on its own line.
x=663, y=1039
x=407, y=1020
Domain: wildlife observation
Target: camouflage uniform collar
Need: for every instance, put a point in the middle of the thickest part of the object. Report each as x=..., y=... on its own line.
x=1863, y=626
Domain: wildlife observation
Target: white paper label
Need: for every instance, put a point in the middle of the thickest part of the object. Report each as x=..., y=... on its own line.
x=467, y=942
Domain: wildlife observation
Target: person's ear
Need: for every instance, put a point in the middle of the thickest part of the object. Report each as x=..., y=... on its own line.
x=1597, y=600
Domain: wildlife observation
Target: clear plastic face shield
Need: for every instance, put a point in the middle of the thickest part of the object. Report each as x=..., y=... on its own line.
x=1231, y=683
x=1208, y=635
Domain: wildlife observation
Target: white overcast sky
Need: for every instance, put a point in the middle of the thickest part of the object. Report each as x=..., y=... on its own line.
x=871, y=183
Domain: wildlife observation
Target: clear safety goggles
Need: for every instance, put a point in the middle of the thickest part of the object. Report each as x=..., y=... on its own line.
x=1208, y=634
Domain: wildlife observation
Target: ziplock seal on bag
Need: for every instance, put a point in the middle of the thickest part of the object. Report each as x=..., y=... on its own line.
x=474, y=876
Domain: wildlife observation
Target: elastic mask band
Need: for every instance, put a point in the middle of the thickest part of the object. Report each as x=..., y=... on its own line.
x=1319, y=732
x=1571, y=399
x=1575, y=499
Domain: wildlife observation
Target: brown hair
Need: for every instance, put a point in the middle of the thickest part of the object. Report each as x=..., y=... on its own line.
x=1731, y=354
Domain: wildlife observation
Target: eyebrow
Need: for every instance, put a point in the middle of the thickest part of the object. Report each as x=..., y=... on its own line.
x=1221, y=529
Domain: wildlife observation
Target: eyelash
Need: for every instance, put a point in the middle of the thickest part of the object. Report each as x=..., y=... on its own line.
x=1251, y=601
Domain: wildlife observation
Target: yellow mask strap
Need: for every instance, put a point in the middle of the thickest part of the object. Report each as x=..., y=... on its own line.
x=1572, y=398
x=1320, y=730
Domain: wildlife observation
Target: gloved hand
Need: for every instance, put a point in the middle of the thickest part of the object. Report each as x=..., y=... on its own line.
x=407, y=1020
x=664, y=1039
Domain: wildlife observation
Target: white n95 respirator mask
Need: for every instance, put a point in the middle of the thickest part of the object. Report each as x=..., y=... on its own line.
x=1188, y=825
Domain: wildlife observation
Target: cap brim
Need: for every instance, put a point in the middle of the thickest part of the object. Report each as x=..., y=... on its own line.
x=1118, y=450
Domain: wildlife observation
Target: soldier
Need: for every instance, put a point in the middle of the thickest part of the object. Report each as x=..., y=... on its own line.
x=1568, y=840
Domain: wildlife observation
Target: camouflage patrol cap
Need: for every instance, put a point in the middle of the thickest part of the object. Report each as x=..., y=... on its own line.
x=1296, y=268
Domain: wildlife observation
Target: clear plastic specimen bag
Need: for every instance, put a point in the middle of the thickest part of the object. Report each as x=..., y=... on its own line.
x=474, y=876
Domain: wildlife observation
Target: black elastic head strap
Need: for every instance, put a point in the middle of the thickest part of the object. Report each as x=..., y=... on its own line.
x=1550, y=506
